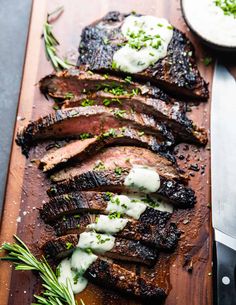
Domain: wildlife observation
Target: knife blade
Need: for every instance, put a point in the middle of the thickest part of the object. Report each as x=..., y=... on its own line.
x=223, y=177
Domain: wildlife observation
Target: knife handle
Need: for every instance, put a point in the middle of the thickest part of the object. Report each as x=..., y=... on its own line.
x=224, y=275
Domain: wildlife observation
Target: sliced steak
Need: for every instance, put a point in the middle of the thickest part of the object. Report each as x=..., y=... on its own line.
x=95, y=203
x=176, y=72
x=122, y=156
x=82, y=149
x=113, y=276
x=77, y=121
x=161, y=238
x=68, y=88
x=109, y=180
x=124, y=250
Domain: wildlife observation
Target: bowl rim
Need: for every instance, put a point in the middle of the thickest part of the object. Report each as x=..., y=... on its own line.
x=207, y=40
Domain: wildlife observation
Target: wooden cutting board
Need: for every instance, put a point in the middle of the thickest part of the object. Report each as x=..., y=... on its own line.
x=186, y=273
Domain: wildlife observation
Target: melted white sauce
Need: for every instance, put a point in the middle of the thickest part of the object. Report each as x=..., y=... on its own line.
x=210, y=22
x=134, y=205
x=143, y=178
x=152, y=201
x=72, y=270
x=159, y=32
x=99, y=243
x=106, y=224
x=122, y=204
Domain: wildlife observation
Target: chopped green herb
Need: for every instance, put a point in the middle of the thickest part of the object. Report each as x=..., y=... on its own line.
x=170, y=27
x=119, y=113
x=106, y=76
x=114, y=215
x=77, y=216
x=207, y=61
x=118, y=170
x=84, y=136
x=160, y=25
x=87, y=102
x=106, y=102
x=100, y=240
x=76, y=278
x=88, y=250
x=109, y=194
x=110, y=133
x=69, y=245
x=99, y=166
x=56, y=107
x=69, y=96
x=227, y=6
x=128, y=79
x=114, y=65
x=90, y=72
x=105, y=40
x=152, y=54
x=141, y=133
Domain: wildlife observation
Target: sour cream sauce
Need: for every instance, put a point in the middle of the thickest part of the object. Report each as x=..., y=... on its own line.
x=210, y=22
x=108, y=225
x=148, y=39
x=72, y=270
x=143, y=178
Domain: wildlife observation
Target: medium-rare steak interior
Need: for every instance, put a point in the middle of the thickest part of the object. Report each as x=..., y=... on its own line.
x=75, y=87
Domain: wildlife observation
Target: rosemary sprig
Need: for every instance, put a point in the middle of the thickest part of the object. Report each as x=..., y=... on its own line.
x=51, y=43
x=54, y=293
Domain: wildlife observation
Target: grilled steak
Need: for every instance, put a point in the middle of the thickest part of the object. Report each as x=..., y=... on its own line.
x=113, y=276
x=77, y=121
x=93, y=202
x=161, y=238
x=176, y=193
x=176, y=72
x=124, y=250
x=82, y=149
x=123, y=156
x=68, y=87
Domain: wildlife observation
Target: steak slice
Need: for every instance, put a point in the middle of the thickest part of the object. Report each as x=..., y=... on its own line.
x=109, y=180
x=75, y=122
x=160, y=238
x=96, y=203
x=68, y=88
x=176, y=72
x=82, y=149
x=122, y=156
x=124, y=250
x=113, y=276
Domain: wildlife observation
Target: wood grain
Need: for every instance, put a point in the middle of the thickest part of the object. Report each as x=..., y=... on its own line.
x=26, y=187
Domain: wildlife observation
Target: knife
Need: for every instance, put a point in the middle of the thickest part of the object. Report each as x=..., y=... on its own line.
x=223, y=179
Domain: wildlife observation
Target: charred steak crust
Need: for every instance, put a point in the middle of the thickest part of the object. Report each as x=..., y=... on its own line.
x=92, y=202
x=125, y=250
x=76, y=121
x=176, y=72
x=115, y=277
x=165, y=238
x=176, y=193
x=150, y=100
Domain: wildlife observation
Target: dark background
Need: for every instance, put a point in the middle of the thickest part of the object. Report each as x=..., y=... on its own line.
x=14, y=20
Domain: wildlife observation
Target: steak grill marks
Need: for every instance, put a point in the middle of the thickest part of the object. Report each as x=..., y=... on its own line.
x=74, y=88
x=177, y=72
x=161, y=238
x=124, y=250
x=176, y=193
x=92, y=202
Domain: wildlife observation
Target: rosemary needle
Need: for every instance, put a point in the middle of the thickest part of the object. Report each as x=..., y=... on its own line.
x=54, y=293
x=51, y=43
